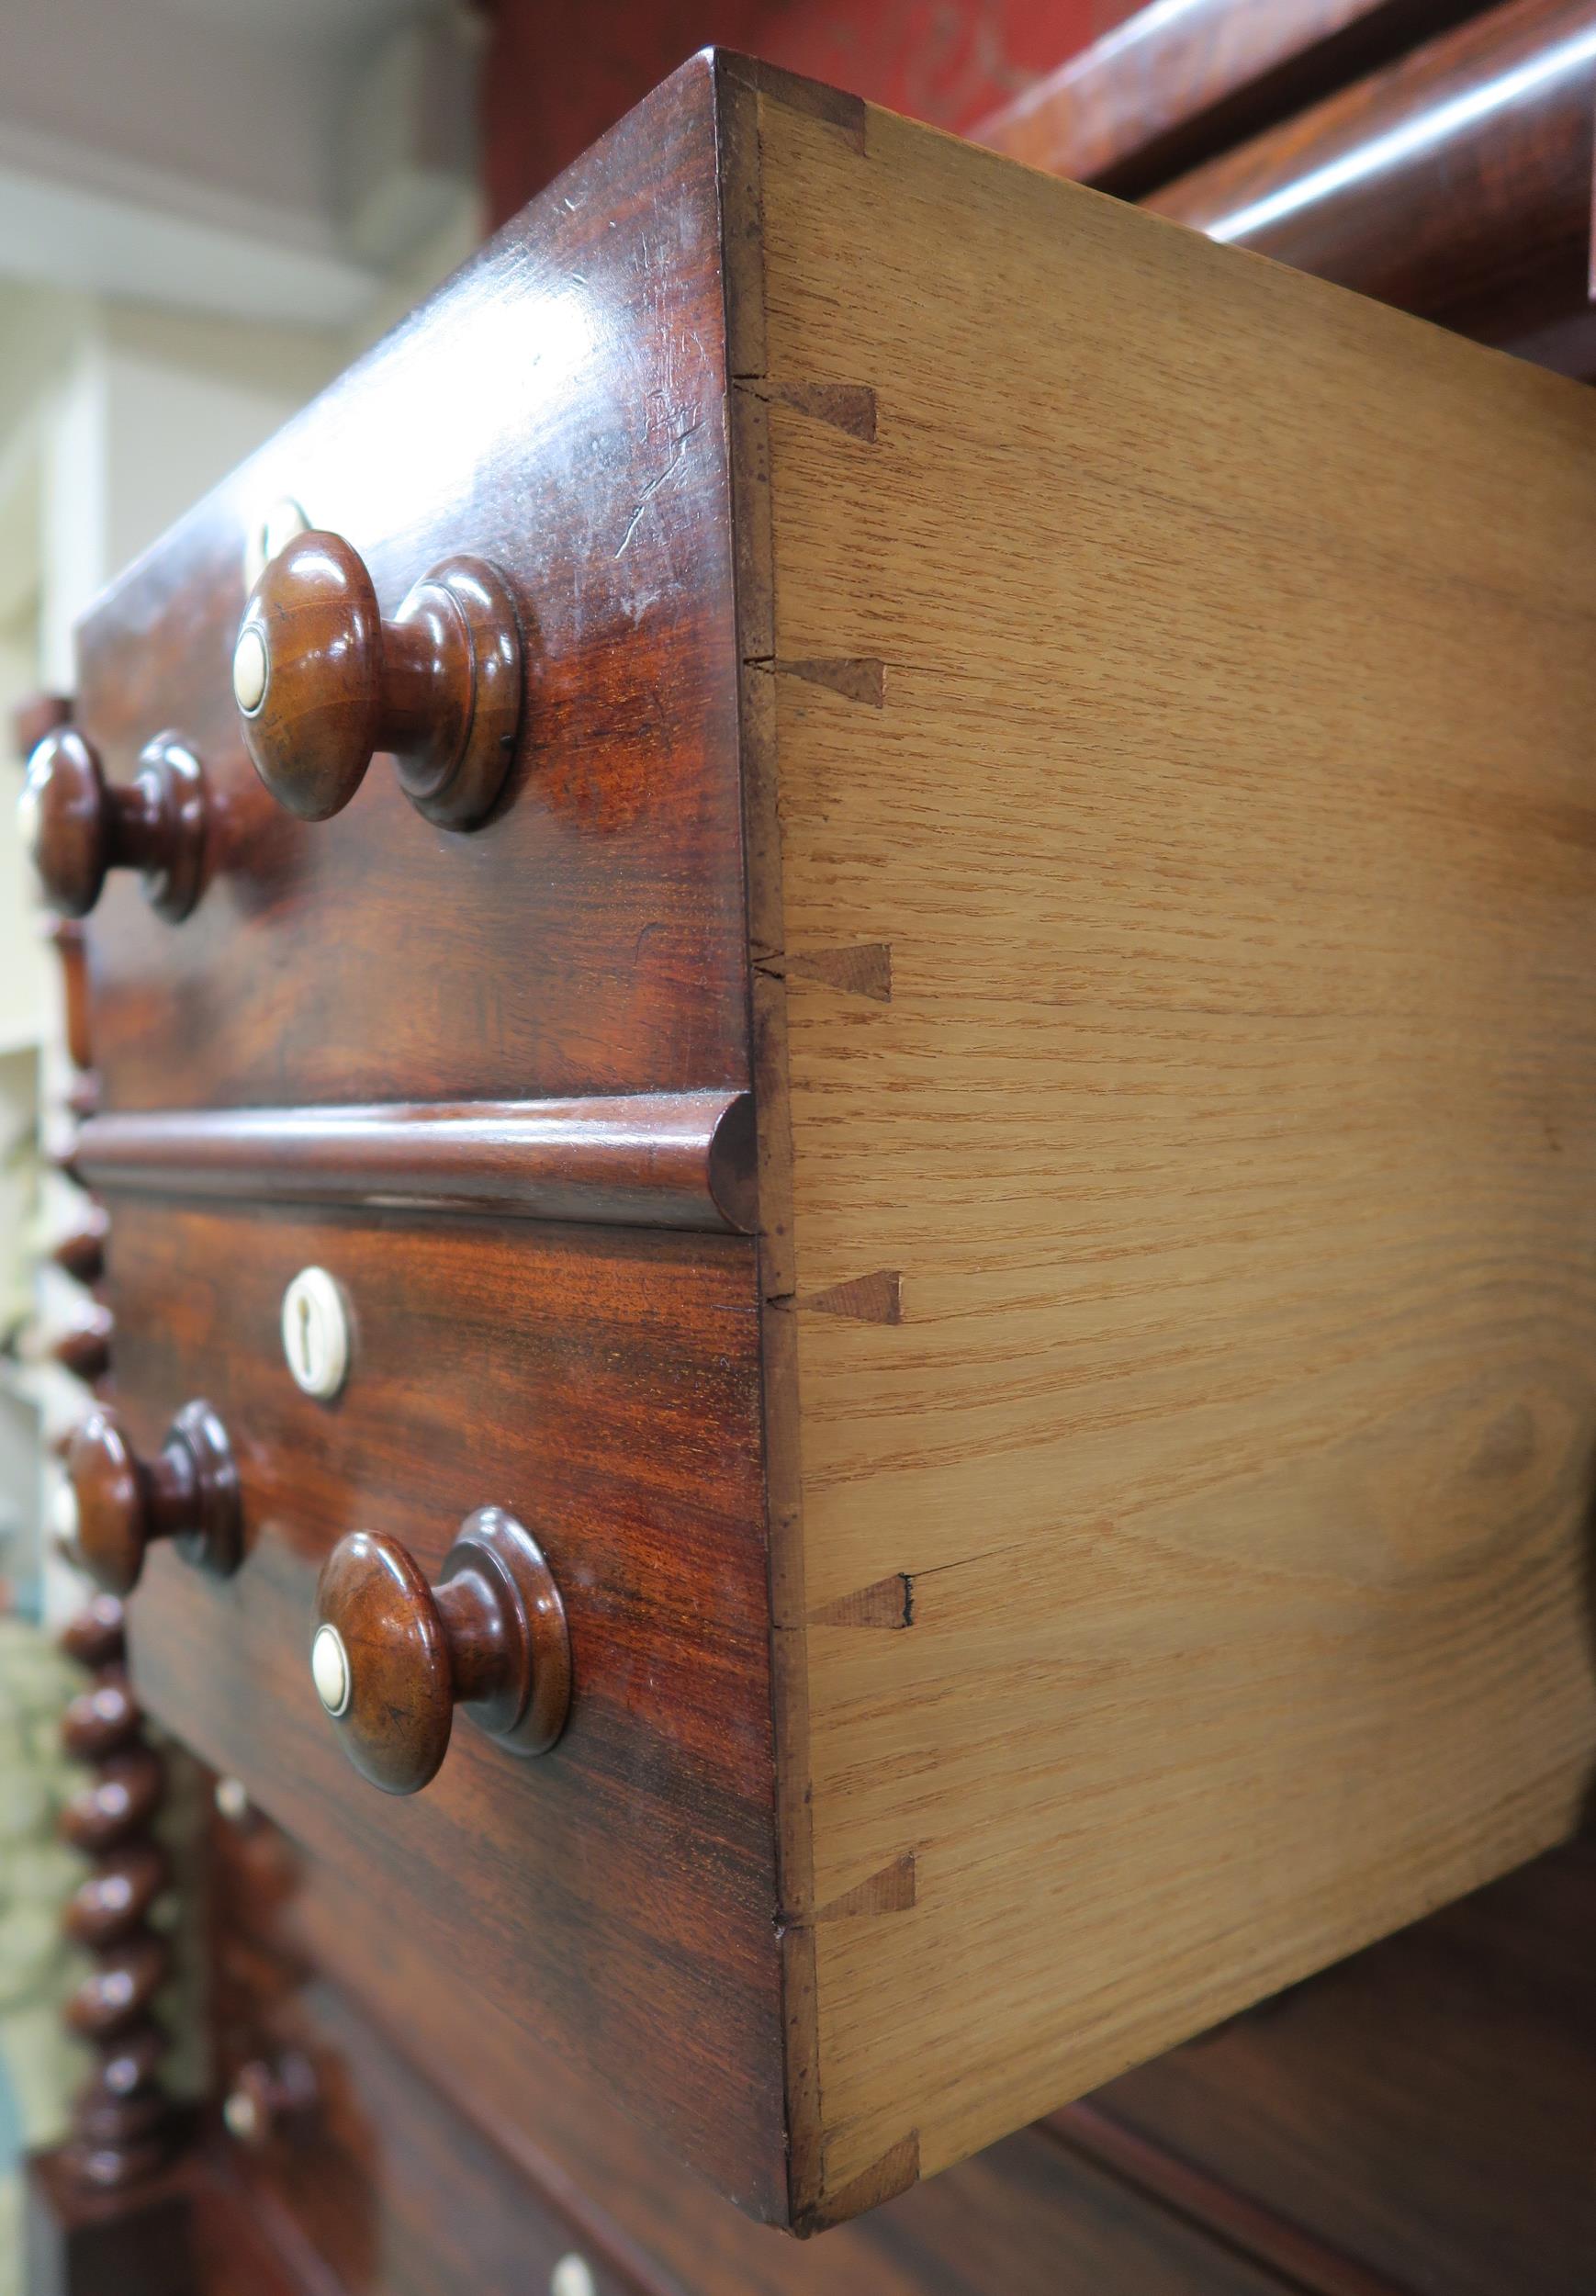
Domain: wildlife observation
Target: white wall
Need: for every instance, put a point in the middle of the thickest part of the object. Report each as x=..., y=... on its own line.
x=263, y=158
x=207, y=208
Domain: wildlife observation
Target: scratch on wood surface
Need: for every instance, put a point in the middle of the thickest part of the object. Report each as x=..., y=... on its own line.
x=678, y=450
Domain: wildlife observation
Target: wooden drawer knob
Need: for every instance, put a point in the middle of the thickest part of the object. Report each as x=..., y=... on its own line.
x=322, y=683
x=392, y=1657
x=189, y=1494
x=268, y=2101
x=77, y=826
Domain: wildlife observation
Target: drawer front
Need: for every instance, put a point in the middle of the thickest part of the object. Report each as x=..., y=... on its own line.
x=556, y=410
x=378, y=2180
x=613, y=1898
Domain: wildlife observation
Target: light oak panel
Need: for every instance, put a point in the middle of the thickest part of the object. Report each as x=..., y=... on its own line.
x=1192, y=1256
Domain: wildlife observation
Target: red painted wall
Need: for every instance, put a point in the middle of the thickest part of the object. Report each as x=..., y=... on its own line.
x=558, y=75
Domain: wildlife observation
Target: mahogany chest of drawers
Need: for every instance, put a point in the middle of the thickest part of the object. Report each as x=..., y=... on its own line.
x=949, y=1070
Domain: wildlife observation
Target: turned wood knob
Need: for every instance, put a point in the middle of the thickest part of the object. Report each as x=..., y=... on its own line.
x=118, y=1897
x=95, y=1636
x=392, y=1657
x=120, y=1992
x=188, y=1493
x=118, y=1804
x=267, y=2099
x=122, y=2122
x=86, y=1349
x=77, y=824
x=82, y=1252
x=101, y=1721
x=322, y=683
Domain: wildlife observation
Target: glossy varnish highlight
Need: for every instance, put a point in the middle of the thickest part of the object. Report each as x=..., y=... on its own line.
x=558, y=411
x=612, y=1899
x=1138, y=1472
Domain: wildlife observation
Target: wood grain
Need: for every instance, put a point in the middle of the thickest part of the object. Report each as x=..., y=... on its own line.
x=1169, y=88
x=469, y=2195
x=1012, y=650
x=612, y=1899
x=322, y=681
x=1304, y=2260
x=1455, y=183
x=663, y=1160
x=380, y=2184
x=1428, y=2107
x=557, y=409
x=1225, y=815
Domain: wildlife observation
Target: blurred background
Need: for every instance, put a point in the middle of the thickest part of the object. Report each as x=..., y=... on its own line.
x=208, y=208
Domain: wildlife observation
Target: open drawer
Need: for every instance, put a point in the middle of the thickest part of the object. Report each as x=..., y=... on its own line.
x=1116, y=787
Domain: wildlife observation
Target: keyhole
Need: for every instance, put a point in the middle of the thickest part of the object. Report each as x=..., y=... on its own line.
x=316, y=1334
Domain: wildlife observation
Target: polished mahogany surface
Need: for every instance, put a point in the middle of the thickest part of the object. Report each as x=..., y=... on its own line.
x=81, y=1253
x=1455, y=183
x=1171, y=86
x=392, y=1656
x=558, y=411
x=382, y=2186
x=1427, y=2109
x=651, y=1159
x=540, y=1016
x=78, y=826
x=124, y=2127
x=79, y=2243
x=1437, y=156
x=396, y=2185
x=1416, y=2121
x=187, y=1492
x=615, y=1898
x=612, y=1908
x=322, y=681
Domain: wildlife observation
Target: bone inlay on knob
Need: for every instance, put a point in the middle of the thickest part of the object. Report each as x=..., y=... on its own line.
x=322, y=683
x=77, y=826
x=189, y=1493
x=391, y=1657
